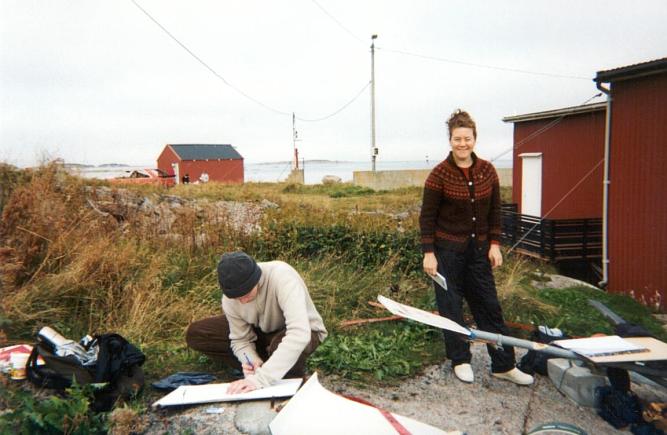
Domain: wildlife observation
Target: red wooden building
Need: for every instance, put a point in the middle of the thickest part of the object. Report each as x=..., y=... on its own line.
x=203, y=162
x=635, y=257
x=557, y=162
x=607, y=161
x=557, y=174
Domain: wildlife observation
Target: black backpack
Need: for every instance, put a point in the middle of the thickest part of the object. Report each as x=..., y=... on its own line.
x=118, y=365
x=534, y=361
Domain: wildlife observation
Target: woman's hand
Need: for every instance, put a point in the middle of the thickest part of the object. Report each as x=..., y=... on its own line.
x=430, y=263
x=495, y=257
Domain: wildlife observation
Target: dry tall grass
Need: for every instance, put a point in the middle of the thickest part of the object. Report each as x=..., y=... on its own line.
x=514, y=289
x=69, y=266
x=342, y=293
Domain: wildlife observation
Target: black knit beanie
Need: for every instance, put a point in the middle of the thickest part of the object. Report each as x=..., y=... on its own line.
x=238, y=274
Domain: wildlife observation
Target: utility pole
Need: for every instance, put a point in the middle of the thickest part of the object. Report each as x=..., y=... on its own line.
x=374, y=150
x=295, y=160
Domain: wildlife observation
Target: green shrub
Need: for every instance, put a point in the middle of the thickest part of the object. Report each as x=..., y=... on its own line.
x=362, y=248
x=391, y=352
x=336, y=190
x=55, y=415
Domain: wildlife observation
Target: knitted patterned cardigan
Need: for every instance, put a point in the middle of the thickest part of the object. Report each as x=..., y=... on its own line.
x=456, y=210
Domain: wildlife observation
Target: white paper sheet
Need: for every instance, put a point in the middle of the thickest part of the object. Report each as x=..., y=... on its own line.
x=210, y=393
x=422, y=316
x=600, y=346
x=315, y=410
x=442, y=282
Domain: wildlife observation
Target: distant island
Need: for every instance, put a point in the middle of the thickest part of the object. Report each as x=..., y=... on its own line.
x=284, y=162
x=102, y=166
x=113, y=165
x=77, y=166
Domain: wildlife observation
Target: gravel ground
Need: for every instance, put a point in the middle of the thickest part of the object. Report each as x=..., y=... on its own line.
x=436, y=397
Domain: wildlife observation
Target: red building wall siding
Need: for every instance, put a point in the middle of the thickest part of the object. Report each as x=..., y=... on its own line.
x=637, y=194
x=221, y=171
x=570, y=149
x=165, y=159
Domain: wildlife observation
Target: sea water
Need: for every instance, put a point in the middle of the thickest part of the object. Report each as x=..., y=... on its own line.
x=278, y=171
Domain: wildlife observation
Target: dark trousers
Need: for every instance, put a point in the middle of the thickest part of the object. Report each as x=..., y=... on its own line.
x=469, y=277
x=210, y=336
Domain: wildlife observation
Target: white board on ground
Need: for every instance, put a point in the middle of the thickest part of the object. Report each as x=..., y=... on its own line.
x=600, y=346
x=211, y=393
x=656, y=351
x=316, y=410
x=422, y=316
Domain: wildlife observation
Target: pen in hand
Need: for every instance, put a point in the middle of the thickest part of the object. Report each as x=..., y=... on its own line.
x=248, y=360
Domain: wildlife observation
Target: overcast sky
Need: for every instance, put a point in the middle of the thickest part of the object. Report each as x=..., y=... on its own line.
x=98, y=81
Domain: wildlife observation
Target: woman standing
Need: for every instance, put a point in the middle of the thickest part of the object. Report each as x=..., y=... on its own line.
x=460, y=236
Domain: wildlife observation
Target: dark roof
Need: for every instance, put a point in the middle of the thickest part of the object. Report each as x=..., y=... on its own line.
x=567, y=111
x=632, y=71
x=206, y=152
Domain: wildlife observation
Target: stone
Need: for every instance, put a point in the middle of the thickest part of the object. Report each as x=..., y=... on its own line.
x=265, y=203
x=331, y=179
x=560, y=281
x=254, y=417
x=662, y=318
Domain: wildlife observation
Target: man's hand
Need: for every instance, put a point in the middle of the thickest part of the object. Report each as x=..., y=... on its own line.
x=430, y=263
x=241, y=386
x=495, y=257
x=250, y=369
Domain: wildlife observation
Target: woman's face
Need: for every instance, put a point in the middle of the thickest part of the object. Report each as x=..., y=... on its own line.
x=462, y=142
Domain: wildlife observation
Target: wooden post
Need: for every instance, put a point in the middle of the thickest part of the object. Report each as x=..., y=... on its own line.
x=553, y=239
x=515, y=226
x=543, y=253
x=584, y=245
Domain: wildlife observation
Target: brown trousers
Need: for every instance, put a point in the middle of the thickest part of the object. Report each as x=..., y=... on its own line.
x=210, y=336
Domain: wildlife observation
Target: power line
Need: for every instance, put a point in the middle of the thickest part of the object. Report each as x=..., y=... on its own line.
x=454, y=61
x=531, y=137
x=219, y=76
x=541, y=130
x=514, y=146
x=481, y=65
x=343, y=107
x=556, y=205
x=348, y=31
x=204, y=64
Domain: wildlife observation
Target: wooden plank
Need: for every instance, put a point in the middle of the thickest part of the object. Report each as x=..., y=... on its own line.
x=657, y=350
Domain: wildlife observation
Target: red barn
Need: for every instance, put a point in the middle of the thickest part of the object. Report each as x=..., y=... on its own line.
x=558, y=162
x=635, y=257
x=221, y=163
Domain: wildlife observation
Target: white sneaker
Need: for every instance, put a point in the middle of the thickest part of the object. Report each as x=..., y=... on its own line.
x=515, y=375
x=464, y=373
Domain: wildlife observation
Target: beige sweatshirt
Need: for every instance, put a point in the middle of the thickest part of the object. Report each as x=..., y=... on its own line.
x=282, y=301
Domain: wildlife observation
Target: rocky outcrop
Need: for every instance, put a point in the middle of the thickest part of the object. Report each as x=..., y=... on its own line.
x=168, y=215
x=331, y=179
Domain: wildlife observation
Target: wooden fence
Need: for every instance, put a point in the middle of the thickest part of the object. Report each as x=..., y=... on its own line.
x=551, y=239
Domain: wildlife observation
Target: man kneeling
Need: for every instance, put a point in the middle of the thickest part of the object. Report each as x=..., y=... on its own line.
x=269, y=324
